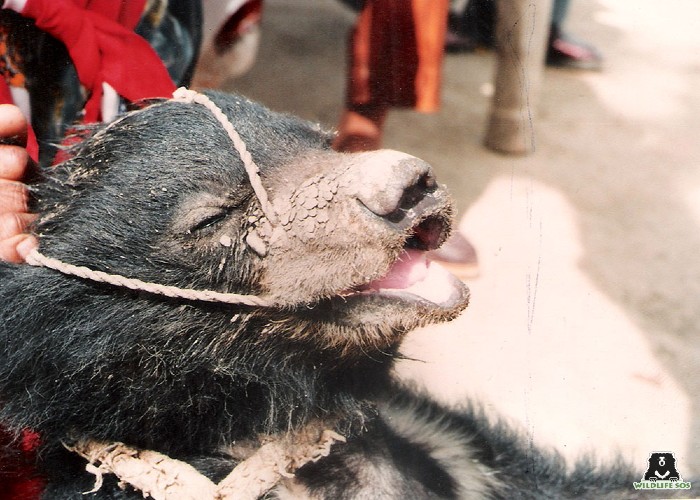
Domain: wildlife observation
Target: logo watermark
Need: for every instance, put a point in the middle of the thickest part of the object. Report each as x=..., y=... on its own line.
x=662, y=474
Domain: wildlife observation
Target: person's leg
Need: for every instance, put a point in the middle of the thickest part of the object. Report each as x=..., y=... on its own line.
x=360, y=129
x=14, y=163
x=560, y=9
x=565, y=51
x=458, y=255
x=394, y=61
x=360, y=125
x=230, y=41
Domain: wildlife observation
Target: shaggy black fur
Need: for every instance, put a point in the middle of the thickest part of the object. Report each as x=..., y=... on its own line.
x=152, y=196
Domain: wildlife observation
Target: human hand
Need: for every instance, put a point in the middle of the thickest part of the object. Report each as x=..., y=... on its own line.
x=15, y=244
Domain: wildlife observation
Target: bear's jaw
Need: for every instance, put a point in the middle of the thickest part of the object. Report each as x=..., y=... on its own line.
x=402, y=290
x=372, y=282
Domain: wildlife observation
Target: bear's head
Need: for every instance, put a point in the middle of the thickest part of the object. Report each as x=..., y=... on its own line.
x=161, y=195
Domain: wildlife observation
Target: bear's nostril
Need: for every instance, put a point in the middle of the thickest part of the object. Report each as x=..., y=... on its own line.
x=413, y=194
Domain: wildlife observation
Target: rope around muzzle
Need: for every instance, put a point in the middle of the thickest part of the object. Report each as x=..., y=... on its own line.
x=36, y=258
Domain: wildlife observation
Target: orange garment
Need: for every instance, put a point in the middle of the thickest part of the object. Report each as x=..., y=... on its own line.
x=396, y=52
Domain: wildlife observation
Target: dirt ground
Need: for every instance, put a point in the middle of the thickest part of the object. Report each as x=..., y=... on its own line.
x=585, y=320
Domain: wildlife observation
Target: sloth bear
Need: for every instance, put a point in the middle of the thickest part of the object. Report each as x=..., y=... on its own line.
x=286, y=393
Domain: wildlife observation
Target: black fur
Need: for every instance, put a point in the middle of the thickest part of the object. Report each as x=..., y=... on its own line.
x=151, y=196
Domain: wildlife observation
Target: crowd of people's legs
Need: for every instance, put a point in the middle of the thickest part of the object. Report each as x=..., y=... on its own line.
x=471, y=25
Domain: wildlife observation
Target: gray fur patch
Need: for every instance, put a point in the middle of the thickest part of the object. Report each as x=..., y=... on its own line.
x=449, y=448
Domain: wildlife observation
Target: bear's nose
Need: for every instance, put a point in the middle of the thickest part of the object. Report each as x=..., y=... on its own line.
x=389, y=181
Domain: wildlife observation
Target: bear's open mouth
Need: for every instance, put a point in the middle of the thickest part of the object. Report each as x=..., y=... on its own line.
x=413, y=277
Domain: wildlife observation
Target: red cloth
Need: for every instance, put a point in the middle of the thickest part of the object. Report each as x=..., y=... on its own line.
x=18, y=478
x=32, y=144
x=125, y=12
x=102, y=49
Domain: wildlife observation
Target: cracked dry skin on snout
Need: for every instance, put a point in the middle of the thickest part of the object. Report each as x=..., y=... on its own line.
x=344, y=223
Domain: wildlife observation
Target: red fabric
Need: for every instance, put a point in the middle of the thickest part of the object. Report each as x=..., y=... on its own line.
x=18, y=478
x=125, y=12
x=103, y=51
x=32, y=144
x=5, y=95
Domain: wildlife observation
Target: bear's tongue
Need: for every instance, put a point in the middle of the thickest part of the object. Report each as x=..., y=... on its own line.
x=410, y=268
x=413, y=273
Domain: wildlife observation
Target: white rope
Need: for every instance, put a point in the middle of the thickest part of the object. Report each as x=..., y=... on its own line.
x=160, y=477
x=185, y=95
x=35, y=258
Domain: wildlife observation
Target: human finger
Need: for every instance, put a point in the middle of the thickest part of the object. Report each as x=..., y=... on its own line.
x=13, y=162
x=13, y=125
x=12, y=224
x=17, y=248
x=14, y=197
